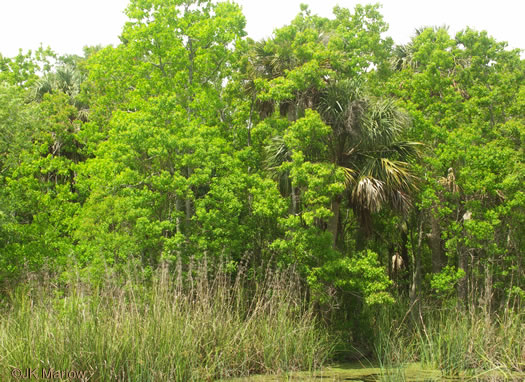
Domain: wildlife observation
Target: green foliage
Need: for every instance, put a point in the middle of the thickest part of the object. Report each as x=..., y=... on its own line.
x=462, y=93
x=445, y=282
x=38, y=195
x=377, y=172
x=157, y=182
x=23, y=69
x=361, y=275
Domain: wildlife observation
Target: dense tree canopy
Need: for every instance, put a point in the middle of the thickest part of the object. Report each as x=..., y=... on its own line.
x=377, y=170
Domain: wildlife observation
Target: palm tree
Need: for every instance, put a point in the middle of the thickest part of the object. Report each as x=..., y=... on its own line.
x=66, y=79
x=269, y=59
x=365, y=140
x=277, y=152
x=366, y=143
x=403, y=57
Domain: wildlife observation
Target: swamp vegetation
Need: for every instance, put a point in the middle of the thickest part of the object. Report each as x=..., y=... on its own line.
x=195, y=205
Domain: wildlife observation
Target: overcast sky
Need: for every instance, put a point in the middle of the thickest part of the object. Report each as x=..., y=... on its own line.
x=67, y=25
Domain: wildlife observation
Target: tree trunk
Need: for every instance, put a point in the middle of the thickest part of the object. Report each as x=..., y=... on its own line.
x=463, y=282
x=188, y=208
x=365, y=229
x=295, y=200
x=177, y=218
x=333, y=224
x=435, y=241
x=404, y=271
x=415, y=287
x=488, y=292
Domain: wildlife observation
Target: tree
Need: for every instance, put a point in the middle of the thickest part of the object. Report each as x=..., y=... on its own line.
x=160, y=137
x=38, y=199
x=462, y=95
x=334, y=149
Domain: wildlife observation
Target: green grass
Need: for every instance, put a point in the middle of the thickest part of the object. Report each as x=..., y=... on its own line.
x=453, y=341
x=164, y=328
x=456, y=342
x=190, y=326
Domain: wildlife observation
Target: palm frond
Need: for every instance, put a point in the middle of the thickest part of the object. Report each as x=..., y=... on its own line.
x=66, y=79
x=45, y=85
x=276, y=153
x=397, y=174
x=403, y=150
x=342, y=105
x=403, y=57
x=383, y=122
x=369, y=193
x=350, y=176
x=400, y=201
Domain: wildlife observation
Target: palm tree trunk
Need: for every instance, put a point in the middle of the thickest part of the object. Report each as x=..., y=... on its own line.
x=365, y=229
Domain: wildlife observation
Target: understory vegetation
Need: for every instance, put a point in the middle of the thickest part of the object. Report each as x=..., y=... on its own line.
x=141, y=327
x=192, y=204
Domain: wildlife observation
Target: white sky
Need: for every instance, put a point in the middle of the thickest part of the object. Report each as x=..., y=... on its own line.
x=67, y=25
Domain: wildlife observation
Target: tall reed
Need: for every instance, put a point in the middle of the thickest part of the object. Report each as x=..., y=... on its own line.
x=454, y=341
x=201, y=326
x=457, y=341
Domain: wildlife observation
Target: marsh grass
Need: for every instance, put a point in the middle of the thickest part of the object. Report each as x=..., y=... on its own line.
x=176, y=325
x=473, y=342
x=392, y=358
x=457, y=343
